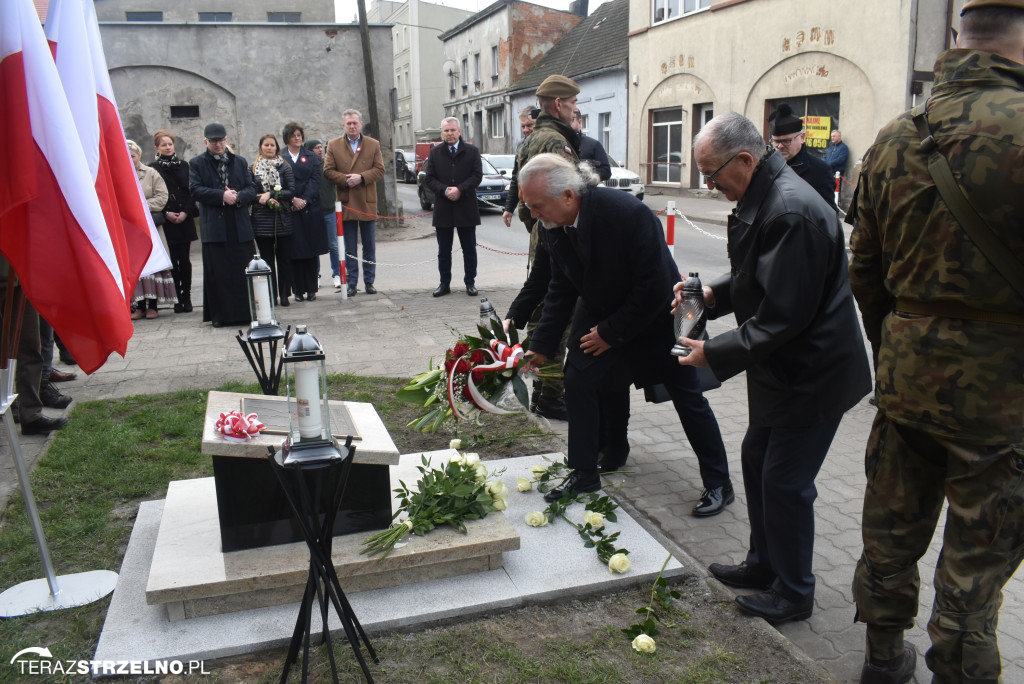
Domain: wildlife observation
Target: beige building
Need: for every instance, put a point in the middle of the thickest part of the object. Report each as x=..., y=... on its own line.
x=304, y=11
x=851, y=65
x=420, y=86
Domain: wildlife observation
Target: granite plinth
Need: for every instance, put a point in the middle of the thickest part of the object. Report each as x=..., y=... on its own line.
x=252, y=507
x=374, y=445
x=193, y=578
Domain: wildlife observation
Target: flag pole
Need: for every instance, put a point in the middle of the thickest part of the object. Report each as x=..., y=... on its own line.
x=43, y=594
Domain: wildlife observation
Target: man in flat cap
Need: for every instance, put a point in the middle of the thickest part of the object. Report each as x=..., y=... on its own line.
x=938, y=253
x=787, y=131
x=223, y=186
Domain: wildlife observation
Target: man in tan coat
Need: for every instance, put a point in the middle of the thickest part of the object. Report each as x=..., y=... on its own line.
x=354, y=164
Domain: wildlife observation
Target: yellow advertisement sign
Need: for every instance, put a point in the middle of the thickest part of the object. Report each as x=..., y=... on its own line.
x=818, y=130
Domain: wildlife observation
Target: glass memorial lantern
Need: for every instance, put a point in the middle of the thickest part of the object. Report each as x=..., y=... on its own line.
x=260, y=280
x=691, y=317
x=309, y=417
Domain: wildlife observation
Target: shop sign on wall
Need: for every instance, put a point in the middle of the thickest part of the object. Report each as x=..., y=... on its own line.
x=817, y=130
x=815, y=36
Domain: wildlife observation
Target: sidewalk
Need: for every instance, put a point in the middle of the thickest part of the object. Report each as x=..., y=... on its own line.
x=394, y=334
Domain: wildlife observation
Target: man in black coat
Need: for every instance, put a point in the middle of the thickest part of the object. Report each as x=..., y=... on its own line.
x=454, y=170
x=800, y=343
x=622, y=331
x=788, y=138
x=590, y=149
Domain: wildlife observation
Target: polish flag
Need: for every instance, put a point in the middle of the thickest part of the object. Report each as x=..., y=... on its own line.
x=74, y=35
x=52, y=229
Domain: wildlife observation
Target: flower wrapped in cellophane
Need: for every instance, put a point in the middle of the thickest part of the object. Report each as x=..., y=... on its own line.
x=479, y=375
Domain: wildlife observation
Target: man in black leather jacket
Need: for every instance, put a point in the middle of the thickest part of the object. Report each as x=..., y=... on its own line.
x=800, y=343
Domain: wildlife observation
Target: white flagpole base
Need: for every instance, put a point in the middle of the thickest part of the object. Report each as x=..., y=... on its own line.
x=34, y=596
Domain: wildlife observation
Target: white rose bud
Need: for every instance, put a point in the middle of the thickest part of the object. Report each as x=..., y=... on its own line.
x=277, y=188
x=481, y=472
x=524, y=484
x=500, y=504
x=594, y=519
x=455, y=444
x=538, y=470
x=497, y=489
x=619, y=564
x=536, y=519
x=644, y=644
x=471, y=459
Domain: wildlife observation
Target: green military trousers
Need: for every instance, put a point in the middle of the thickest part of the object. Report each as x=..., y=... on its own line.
x=910, y=473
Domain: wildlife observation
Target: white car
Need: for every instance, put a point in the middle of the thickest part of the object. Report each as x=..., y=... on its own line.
x=624, y=179
x=504, y=163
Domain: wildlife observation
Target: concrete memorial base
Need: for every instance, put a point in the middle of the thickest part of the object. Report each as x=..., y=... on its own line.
x=551, y=563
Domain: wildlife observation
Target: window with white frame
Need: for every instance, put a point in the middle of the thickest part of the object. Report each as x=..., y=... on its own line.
x=495, y=58
x=664, y=10
x=465, y=72
x=585, y=124
x=476, y=67
x=604, y=129
x=496, y=122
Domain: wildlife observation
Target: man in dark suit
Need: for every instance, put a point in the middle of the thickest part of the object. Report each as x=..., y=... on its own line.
x=788, y=137
x=800, y=344
x=622, y=331
x=590, y=149
x=453, y=172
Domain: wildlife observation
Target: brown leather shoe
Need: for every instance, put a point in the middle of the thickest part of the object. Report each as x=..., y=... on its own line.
x=61, y=376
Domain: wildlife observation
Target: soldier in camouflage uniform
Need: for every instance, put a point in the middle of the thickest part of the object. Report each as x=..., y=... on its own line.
x=551, y=133
x=945, y=329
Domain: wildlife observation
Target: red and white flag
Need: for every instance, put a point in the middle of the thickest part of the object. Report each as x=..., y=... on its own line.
x=52, y=228
x=74, y=35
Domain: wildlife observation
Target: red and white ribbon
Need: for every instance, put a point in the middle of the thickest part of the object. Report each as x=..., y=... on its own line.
x=238, y=428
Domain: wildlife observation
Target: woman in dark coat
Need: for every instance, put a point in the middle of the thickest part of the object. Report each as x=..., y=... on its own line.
x=309, y=239
x=179, y=216
x=271, y=218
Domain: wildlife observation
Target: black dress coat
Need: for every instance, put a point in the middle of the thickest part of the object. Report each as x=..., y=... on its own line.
x=268, y=222
x=617, y=236
x=309, y=239
x=798, y=337
x=208, y=192
x=175, y=175
x=464, y=171
x=817, y=173
x=593, y=151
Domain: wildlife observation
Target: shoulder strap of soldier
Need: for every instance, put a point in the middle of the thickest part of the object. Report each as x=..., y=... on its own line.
x=963, y=211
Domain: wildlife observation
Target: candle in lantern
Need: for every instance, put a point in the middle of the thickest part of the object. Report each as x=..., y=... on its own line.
x=307, y=400
x=261, y=296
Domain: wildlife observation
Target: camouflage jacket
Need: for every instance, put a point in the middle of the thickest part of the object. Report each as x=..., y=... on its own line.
x=955, y=376
x=549, y=135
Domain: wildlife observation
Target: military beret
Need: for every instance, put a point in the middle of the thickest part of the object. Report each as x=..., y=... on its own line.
x=784, y=122
x=558, y=86
x=215, y=131
x=975, y=4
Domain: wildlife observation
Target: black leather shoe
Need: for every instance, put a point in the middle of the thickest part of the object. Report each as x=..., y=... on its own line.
x=43, y=425
x=577, y=483
x=186, y=305
x=714, y=501
x=742, y=576
x=552, y=409
x=774, y=608
x=179, y=307
x=472, y=291
x=52, y=397
x=898, y=670
x=218, y=324
x=370, y=289
x=285, y=302
x=311, y=296
x=608, y=464
x=351, y=292
x=442, y=290
x=298, y=298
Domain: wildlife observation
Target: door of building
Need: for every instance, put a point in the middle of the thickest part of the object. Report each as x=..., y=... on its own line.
x=665, y=148
x=702, y=114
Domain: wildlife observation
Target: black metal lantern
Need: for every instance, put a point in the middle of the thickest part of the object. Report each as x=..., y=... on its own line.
x=309, y=415
x=260, y=281
x=691, y=316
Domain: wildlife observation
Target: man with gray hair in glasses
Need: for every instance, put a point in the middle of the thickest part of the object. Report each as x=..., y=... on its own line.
x=797, y=338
